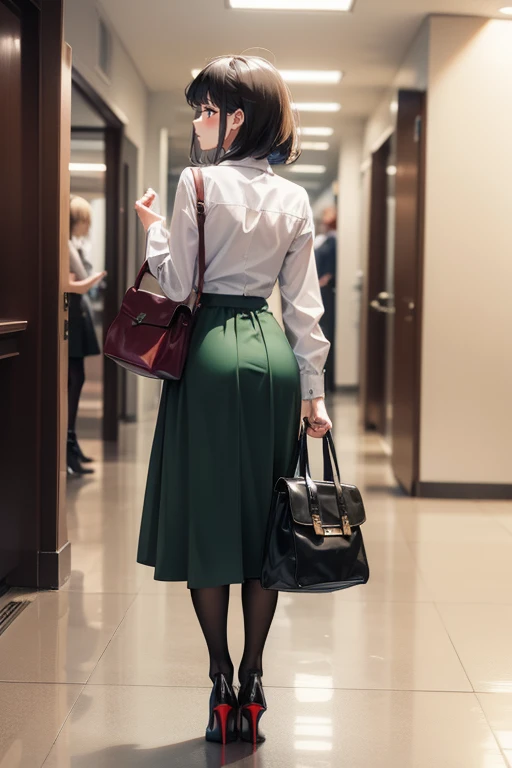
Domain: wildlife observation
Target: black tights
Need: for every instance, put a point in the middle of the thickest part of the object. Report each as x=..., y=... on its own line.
x=211, y=607
x=76, y=378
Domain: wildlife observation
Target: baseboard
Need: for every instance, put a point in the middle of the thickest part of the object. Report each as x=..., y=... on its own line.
x=55, y=567
x=347, y=389
x=489, y=491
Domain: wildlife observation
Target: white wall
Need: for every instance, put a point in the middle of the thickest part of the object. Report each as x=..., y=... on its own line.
x=348, y=264
x=127, y=95
x=466, y=412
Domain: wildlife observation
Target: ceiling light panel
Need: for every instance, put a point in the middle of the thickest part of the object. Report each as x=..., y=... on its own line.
x=506, y=11
x=307, y=169
x=317, y=106
x=311, y=131
x=293, y=5
x=318, y=146
x=321, y=77
x=88, y=167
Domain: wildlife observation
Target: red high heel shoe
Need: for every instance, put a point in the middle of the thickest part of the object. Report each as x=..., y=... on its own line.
x=252, y=705
x=223, y=712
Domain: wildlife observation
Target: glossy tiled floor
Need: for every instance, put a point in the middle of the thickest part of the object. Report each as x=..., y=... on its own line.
x=413, y=670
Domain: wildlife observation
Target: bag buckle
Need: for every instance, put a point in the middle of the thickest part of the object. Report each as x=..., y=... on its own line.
x=317, y=524
x=138, y=320
x=347, y=530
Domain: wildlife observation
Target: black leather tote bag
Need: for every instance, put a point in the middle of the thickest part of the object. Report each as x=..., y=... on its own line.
x=314, y=541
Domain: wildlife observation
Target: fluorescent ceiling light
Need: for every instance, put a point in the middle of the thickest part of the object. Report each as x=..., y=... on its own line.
x=326, y=77
x=99, y=167
x=316, y=145
x=294, y=5
x=316, y=131
x=307, y=169
x=317, y=106
x=322, y=77
x=506, y=11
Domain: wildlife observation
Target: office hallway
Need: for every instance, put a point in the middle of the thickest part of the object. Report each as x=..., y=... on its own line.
x=413, y=670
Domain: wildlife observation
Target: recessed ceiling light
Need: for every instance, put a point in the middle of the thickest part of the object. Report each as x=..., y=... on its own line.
x=393, y=107
x=317, y=106
x=195, y=73
x=316, y=131
x=316, y=145
x=307, y=169
x=506, y=11
x=293, y=5
x=99, y=167
x=324, y=77
x=391, y=170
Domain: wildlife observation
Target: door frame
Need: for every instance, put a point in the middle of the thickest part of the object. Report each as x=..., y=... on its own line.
x=113, y=132
x=410, y=237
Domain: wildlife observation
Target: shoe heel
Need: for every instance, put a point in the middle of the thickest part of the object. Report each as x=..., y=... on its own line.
x=222, y=711
x=252, y=714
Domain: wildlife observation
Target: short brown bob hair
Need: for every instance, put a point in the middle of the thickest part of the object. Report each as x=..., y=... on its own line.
x=79, y=210
x=255, y=86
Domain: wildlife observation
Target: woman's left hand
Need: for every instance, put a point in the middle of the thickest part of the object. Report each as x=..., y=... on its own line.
x=317, y=416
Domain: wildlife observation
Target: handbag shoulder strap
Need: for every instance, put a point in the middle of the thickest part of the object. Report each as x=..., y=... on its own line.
x=201, y=215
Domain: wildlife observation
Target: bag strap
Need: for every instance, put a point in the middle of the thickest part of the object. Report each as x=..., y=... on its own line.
x=329, y=475
x=201, y=216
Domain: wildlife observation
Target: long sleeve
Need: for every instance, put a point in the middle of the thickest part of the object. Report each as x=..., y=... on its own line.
x=172, y=254
x=303, y=308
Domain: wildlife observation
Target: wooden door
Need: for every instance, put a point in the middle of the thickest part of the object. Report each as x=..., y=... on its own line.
x=131, y=259
x=12, y=364
x=34, y=79
x=410, y=180
x=377, y=307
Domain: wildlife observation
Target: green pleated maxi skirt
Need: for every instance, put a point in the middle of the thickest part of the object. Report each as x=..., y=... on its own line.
x=225, y=433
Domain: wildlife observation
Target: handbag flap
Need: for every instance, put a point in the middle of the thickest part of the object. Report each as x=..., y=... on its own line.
x=149, y=309
x=299, y=507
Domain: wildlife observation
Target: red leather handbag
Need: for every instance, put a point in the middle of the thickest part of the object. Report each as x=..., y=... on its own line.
x=151, y=333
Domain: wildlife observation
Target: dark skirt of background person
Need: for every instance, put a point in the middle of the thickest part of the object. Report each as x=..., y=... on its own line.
x=225, y=433
x=328, y=326
x=82, y=342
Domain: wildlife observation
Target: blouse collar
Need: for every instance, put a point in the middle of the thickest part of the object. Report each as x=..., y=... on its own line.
x=251, y=162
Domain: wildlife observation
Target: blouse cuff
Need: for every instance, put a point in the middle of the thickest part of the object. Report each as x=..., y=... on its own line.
x=157, y=245
x=312, y=385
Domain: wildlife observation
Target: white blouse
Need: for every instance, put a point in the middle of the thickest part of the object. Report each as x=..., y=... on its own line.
x=259, y=229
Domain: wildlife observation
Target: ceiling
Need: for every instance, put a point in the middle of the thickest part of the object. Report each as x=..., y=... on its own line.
x=168, y=38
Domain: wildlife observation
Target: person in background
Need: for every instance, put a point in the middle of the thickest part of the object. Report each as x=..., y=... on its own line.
x=325, y=255
x=82, y=336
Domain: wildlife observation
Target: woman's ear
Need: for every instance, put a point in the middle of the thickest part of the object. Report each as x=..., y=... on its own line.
x=238, y=118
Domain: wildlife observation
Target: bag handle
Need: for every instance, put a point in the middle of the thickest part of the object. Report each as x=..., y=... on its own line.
x=311, y=489
x=201, y=216
x=329, y=475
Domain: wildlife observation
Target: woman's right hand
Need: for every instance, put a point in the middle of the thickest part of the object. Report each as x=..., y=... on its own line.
x=144, y=212
x=317, y=416
x=82, y=286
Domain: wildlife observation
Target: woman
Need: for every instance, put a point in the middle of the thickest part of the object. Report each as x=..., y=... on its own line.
x=228, y=430
x=82, y=336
